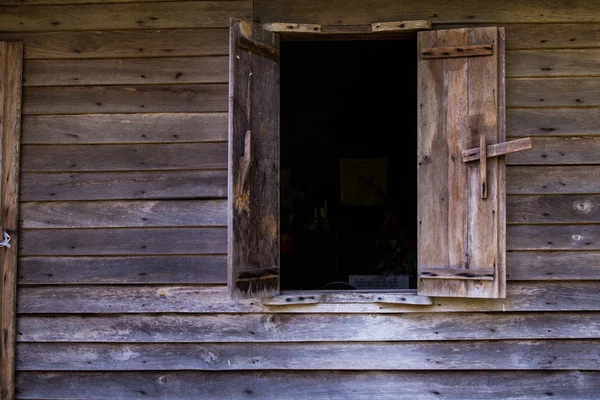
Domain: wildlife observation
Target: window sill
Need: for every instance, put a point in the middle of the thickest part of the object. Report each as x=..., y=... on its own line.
x=344, y=297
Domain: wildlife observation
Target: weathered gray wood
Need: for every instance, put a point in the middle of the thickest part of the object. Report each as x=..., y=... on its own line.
x=553, y=209
x=119, y=44
x=133, y=71
x=133, y=241
x=124, y=185
x=11, y=68
x=158, y=15
x=401, y=26
x=457, y=51
x=471, y=355
x=124, y=128
x=298, y=297
x=554, y=237
x=438, y=11
x=125, y=99
x=122, y=270
x=553, y=179
x=495, y=150
x=253, y=223
x=284, y=27
x=553, y=92
x=263, y=328
x=554, y=265
x=129, y=157
x=558, y=150
x=460, y=102
x=546, y=36
x=484, y=274
x=553, y=122
x=114, y=214
x=521, y=296
x=382, y=385
x=535, y=63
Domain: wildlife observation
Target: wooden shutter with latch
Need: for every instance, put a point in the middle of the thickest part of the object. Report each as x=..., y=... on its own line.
x=461, y=166
x=253, y=225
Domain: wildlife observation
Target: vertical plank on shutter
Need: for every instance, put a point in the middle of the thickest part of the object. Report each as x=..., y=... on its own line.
x=11, y=60
x=253, y=225
x=459, y=99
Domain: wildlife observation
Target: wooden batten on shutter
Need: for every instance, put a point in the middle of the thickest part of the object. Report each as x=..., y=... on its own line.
x=11, y=66
x=253, y=225
x=461, y=211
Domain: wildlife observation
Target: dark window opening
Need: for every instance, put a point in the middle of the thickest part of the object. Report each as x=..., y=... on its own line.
x=348, y=165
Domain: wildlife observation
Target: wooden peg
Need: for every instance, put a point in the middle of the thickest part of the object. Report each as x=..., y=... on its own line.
x=483, y=165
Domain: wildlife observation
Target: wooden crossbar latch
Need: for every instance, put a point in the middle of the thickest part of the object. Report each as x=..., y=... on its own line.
x=483, y=152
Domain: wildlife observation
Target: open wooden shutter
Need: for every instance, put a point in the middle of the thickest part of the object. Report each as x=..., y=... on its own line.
x=253, y=225
x=461, y=167
x=11, y=65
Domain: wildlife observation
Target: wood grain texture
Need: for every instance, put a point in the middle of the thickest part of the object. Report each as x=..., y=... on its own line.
x=253, y=196
x=140, y=157
x=558, y=150
x=122, y=44
x=158, y=15
x=548, y=36
x=553, y=265
x=11, y=68
x=128, y=71
x=189, y=385
x=553, y=122
x=285, y=328
x=124, y=128
x=567, y=179
x=114, y=214
x=571, y=62
x=553, y=209
x=122, y=270
x=554, y=92
x=521, y=296
x=124, y=185
x=471, y=355
x=554, y=237
x=438, y=11
x=132, y=241
x=125, y=99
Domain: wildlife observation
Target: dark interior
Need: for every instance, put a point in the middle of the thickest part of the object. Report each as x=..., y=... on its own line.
x=348, y=124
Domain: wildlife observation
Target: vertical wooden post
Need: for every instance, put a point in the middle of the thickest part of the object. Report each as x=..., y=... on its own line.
x=11, y=66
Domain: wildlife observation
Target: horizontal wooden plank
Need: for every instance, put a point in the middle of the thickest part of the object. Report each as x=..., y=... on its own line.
x=123, y=185
x=133, y=241
x=122, y=270
x=124, y=128
x=555, y=92
x=498, y=149
x=115, y=214
x=484, y=274
x=558, y=150
x=521, y=296
x=553, y=179
x=555, y=265
x=465, y=355
x=547, y=36
x=262, y=328
x=269, y=385
x=552, y=122
x=126, y=71
x=63, y=2
x=553, y=209
x=454, y=51
x=553, y=237
x=125, y=99
x=127, y=157
x=437, y=11
x=160, y=15
x=564, y=62
x=120, y=44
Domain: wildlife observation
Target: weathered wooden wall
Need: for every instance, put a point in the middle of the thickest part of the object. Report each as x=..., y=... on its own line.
x=122, y=270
